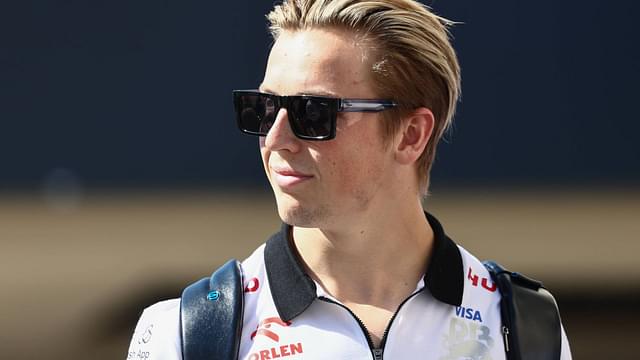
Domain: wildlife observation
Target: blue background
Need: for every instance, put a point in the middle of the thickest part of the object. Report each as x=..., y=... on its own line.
x=137, y=93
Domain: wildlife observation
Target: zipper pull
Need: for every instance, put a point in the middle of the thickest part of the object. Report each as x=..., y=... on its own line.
x=377, y=354
x=505, y=333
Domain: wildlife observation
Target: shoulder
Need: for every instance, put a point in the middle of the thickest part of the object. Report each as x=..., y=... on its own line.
x=255, y=261
x=477, y=280
x=157, y=334
x=253, y=271
x=480, y=289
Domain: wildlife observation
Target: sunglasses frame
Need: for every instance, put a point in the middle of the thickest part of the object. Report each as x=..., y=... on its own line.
x=336, y=105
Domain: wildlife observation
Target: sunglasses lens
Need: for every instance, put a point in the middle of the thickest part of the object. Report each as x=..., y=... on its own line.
x=312, y=118
x=255, y=113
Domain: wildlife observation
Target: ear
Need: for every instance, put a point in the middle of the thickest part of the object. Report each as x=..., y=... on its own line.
x=414, y=135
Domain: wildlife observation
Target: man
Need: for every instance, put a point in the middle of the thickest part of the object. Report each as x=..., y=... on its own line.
x=355, y=97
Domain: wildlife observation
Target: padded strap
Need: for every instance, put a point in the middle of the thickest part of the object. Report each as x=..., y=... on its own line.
x=211, y=315
x=530, y=317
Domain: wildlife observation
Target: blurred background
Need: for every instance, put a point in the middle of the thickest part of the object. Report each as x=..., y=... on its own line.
x=123, y=177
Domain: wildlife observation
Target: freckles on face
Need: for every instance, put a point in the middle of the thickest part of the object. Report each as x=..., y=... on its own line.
x=347, y=170
x=356, y=161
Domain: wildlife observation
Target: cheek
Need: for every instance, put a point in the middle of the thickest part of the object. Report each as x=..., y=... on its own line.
x=356, y=169
x=356, y=180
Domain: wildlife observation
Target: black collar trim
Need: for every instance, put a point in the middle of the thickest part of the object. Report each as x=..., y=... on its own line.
x=293, y=290
x=445, y=275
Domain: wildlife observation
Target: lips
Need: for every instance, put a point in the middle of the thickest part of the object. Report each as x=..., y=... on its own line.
x=287, y=177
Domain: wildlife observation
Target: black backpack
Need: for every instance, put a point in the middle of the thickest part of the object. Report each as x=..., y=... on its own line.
x=211, y=315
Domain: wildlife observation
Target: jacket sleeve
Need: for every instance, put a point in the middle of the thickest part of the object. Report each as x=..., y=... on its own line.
x=565, y=352
x=157, y=334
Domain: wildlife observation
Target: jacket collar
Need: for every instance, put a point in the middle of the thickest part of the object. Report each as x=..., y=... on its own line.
x=293, y=290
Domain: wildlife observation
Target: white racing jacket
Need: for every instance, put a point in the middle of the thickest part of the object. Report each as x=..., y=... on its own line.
x=454, y=313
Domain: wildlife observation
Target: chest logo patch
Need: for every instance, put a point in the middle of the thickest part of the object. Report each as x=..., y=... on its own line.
x=467, y=340
x=468, y=313
x=484, y=282
x=252, y=285
x=266, y=328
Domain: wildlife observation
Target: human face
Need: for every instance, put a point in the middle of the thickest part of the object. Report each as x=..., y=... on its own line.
x=322, y=184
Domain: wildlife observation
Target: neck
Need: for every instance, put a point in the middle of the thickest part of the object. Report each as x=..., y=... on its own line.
x=371, y=257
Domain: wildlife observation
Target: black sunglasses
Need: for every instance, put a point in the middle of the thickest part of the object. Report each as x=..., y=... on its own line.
x=310, y=117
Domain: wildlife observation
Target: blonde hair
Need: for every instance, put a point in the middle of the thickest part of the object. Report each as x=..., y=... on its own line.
x=412, y=60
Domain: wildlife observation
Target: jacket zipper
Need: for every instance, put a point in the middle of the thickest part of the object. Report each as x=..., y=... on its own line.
x=505, y=333
x=383, y=342
x=376, y=352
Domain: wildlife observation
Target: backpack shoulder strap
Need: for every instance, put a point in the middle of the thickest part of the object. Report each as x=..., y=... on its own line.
x=211, y=315
x=530, y=317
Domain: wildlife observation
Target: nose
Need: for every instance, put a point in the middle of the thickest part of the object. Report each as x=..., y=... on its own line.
x=280, y=136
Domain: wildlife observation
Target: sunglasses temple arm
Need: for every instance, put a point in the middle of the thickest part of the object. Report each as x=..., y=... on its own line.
x=347, y=105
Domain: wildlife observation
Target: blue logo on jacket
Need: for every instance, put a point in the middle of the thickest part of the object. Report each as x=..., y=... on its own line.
x=468, y=313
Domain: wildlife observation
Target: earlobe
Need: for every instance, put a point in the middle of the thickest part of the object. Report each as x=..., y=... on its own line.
x=415, y=134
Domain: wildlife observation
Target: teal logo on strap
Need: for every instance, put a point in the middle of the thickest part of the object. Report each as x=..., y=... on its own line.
x=213, y=295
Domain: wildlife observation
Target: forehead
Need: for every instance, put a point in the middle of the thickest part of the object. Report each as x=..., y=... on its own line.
x=318, y=61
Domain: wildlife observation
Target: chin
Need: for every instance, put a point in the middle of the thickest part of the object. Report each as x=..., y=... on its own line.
x=294, y=213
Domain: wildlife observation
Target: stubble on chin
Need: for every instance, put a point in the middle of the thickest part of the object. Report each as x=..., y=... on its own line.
x=301, y=216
